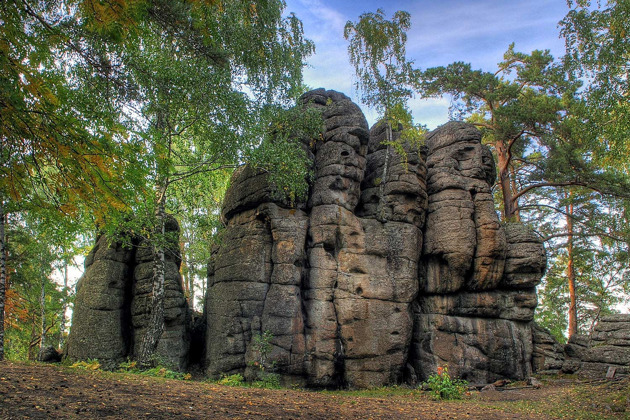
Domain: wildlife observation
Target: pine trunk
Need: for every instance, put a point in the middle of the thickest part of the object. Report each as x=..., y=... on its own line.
x=509, y=206
x=514, y=190
x=573, y=323
x=3, y=277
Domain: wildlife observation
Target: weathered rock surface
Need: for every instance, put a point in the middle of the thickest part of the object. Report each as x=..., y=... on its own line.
x=477, y=278
x=548, y=356
x=394, y=265
x=607, y=350
x=332, y=288
x=609, y=347
x=113, y=303
x=386, y=249
x=101, y=319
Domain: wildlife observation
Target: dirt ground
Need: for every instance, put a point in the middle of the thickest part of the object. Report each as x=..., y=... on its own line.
x=37, y=391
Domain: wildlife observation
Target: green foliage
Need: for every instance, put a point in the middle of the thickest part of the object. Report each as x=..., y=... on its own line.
x=442, y=387
x=265, y=377
x=597, y=37
x=551, y=312
x=232, y=380
x=31, y=257
x=90, y=364
x=267, y=380
x=377, y=51
x=385, y=76
x=158, y=371
x=262, y=347
x=599, y=256
x=163, y=372
x=282, y=152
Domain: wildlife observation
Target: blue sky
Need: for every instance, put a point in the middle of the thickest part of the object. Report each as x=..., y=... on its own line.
x=473, y=31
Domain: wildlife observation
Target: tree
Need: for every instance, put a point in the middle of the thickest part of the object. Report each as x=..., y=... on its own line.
x=384, y=75
x=57, y=152
x=34, y=301
x=195, y=81
x=107, y=106
x=584, y=234
x=598, y=49
x=514, y=108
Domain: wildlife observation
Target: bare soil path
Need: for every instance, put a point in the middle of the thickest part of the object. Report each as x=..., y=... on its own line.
x=37, y=391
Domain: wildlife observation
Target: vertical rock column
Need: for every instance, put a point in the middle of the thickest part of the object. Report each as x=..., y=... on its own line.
x=333, y=236
x=477, y=280
x=101, y=321
x=255, y=281
x=364, y=246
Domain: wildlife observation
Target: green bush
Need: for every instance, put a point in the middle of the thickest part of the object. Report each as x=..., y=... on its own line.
x=442, y=387
x=267, y=380
x=232, y=380
x=90, y=364
x=159, y=371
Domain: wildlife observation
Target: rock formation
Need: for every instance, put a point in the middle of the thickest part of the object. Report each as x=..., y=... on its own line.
x=609, y=347
x=605, y=353
x=113, y=301
x=395, y=264
x=477, y=279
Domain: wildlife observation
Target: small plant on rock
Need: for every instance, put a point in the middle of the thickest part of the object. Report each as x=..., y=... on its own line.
x=442, y=387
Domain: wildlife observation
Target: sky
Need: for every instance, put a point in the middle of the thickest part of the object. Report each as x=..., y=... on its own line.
x=473, y=31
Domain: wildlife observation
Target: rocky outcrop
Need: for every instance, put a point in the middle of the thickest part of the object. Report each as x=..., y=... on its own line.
x=113, y=301
x=396, y=263
x=605, y=353
x=609, y=348
x=548, y=356
x=333, y=288
x=101, y=318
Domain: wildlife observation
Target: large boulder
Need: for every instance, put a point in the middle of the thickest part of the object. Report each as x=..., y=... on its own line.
x=608, y=349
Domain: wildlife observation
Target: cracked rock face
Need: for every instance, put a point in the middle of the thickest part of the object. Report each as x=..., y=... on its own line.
x=112, y=305
x=477, y=298
x=603, y=354
x=394, y=266
x=334, y=288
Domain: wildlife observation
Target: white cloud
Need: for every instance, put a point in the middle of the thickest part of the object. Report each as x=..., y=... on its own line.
x=477, y=31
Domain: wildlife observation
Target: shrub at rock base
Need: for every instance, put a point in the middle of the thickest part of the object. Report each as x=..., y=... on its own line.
x=442, y=387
